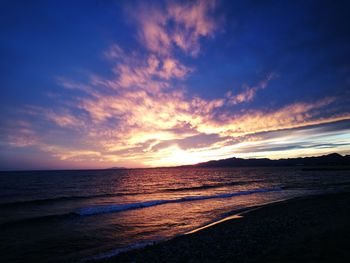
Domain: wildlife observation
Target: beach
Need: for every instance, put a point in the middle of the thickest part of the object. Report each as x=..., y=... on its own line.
x=307, y=229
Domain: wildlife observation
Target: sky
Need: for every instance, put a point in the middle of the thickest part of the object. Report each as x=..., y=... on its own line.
x=98, y=84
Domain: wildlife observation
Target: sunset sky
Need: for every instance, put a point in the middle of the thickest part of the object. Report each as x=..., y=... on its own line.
x=96, y=84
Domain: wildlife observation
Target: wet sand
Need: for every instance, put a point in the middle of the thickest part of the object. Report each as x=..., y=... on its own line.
x=313, y=229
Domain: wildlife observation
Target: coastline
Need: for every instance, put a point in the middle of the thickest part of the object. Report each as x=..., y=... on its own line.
x=304, y=229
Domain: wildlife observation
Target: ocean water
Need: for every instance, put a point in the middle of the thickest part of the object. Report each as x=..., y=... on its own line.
x=77, y=216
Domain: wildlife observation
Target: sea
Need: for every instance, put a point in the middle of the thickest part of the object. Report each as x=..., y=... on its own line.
x=87, y=215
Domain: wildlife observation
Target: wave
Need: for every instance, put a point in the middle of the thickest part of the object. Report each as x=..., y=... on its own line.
x=88, y=211
x=106, y=195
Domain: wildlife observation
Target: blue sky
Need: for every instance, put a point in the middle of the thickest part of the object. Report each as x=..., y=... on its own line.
x=92, y=84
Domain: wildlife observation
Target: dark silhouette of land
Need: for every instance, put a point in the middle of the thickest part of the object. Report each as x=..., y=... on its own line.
x=324, y=162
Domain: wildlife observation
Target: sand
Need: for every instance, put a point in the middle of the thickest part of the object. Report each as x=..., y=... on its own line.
x=313, y=229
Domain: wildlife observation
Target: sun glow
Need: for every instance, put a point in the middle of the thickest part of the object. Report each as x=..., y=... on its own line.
x=174, y=93
x=175, y=156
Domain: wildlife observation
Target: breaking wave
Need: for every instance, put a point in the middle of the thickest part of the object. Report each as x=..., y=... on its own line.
x=87, y=211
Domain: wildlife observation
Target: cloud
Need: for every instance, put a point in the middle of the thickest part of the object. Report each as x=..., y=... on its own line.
x=152, y=128
x=249, y=93
x=150, y=72
x=307, y=141
x=19, y=134
x=144, y=114
x=65, y=119
x=290, y=116
x=160, y=30
x=192, y=22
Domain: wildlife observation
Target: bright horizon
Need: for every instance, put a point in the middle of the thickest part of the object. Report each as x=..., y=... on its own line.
x=165, y=83
x=153, y=167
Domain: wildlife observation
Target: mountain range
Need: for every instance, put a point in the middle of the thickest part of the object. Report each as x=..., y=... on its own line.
x=333, y=159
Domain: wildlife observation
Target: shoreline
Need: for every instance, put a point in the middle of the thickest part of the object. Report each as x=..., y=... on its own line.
x=253, y=232
x=235, y=214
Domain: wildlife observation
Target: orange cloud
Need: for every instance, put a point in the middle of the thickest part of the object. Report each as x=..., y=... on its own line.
x=249, y=92
x=290, y=116
x=191, y=20
x=150, y=72
x=139, y=117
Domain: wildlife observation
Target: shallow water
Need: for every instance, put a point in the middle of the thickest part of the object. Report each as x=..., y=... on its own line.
x=81, y=215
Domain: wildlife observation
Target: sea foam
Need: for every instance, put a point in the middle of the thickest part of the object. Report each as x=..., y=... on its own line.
x=93, y=210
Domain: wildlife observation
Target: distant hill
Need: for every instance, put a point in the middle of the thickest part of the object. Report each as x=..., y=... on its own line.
x=333, y=159
x=116, y=168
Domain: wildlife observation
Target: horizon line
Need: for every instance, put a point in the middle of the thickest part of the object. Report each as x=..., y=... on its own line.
x=159, y=167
